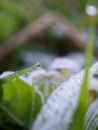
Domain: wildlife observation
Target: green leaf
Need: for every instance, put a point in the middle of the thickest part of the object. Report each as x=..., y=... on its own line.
x=17, y=104
x=91, y=118
x=17, y=98
x=83, y=98
x=30, y=112
x=58, y=111
x=20, y=103
x=12, y=77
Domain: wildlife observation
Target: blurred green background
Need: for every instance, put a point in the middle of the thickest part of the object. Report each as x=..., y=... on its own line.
x=17, y=15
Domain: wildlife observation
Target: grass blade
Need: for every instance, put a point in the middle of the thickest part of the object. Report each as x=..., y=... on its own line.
x=17, y=74
x=83, y=98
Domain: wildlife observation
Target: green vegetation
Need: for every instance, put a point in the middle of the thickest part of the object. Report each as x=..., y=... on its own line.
x=53, y=95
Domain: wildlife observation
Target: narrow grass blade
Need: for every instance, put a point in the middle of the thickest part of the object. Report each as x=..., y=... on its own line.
x=17, y=74
x=83, y=98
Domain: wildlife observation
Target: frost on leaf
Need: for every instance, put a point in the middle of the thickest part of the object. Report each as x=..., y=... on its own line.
x=65, y=66
x=4, y=74
x=58, y=111
x=44, y=81
x=91, y=118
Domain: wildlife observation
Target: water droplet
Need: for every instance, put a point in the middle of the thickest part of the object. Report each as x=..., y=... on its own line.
x=91, y=10
x=37, y=65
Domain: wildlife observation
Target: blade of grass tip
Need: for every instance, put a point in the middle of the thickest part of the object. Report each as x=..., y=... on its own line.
x=30, y=112
x=18, y=73
x=83, y=97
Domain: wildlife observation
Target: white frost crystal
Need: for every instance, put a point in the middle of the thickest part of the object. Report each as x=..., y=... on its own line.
x=58, y=111
x=4, y=74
